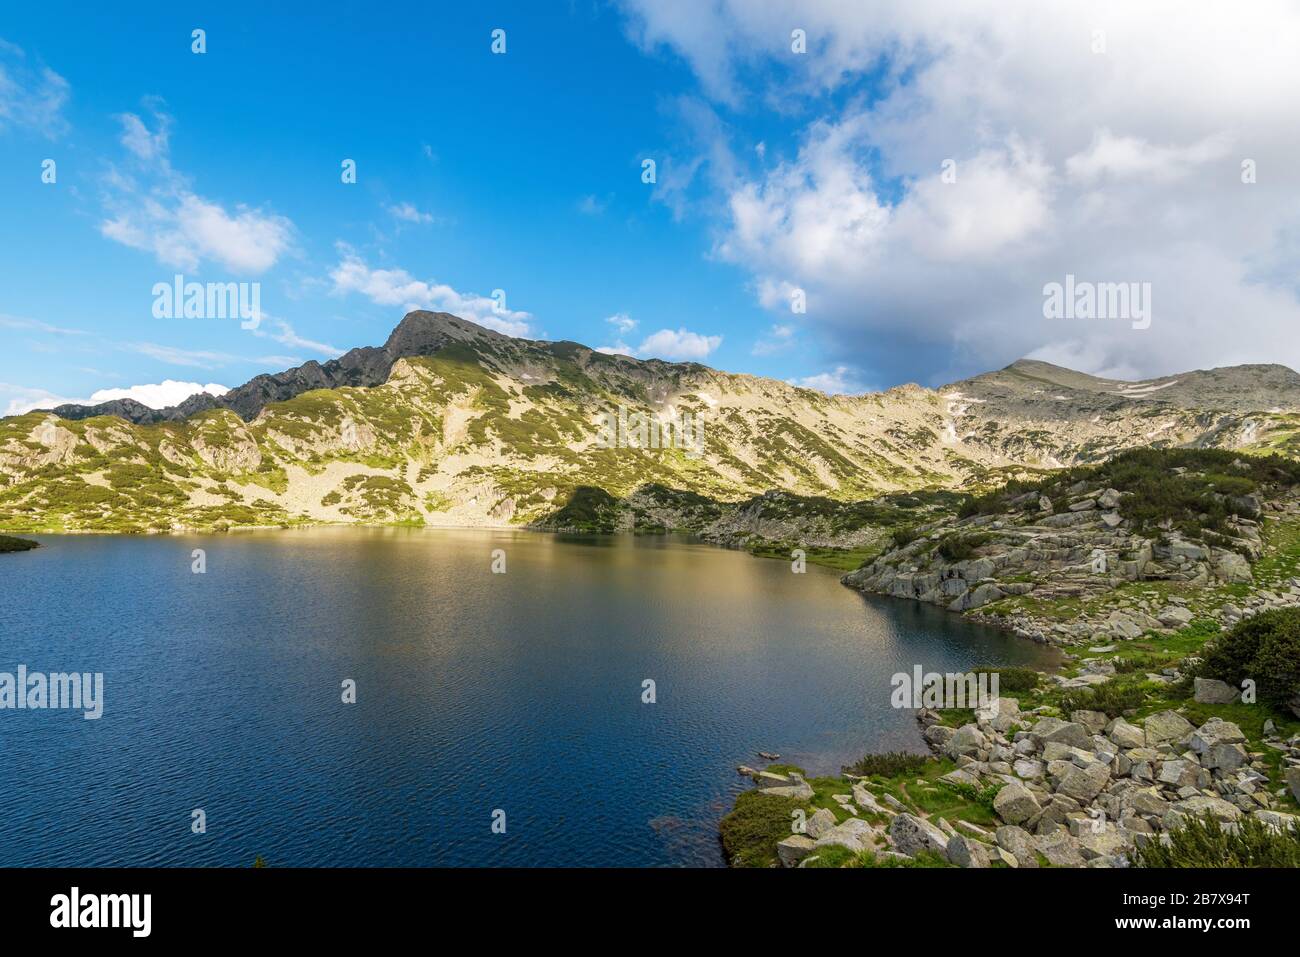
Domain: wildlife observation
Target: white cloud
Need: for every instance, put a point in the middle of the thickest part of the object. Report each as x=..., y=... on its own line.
x=622, y=322
x=619, y=348
x=31, y=97
x=397, y=287
x=1120, y=166
x=20, y=400
x=591, y=206
x=409, y=213
x=180, y=228
x=158, y=395
x=681, y=345
x=841, y=381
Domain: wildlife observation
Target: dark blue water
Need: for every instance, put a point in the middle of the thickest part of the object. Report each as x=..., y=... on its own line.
x=476, y=692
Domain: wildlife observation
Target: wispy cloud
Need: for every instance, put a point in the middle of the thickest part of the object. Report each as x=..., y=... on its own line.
x=410, y=213
x=840, y=381
x=202, y=359
x=31, y=97
x=397, y=287
x=152, y=207
x=283, y=333
x=35, y=325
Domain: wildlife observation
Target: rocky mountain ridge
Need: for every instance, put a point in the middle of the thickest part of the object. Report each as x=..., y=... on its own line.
x=449, y=423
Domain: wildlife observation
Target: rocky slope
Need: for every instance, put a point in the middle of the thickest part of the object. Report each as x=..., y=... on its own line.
x=449, y=423
x=1087, y=554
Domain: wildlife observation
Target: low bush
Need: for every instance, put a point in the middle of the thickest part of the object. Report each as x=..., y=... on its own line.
x=10, y=544
x=1206, y=843
x=889, y=764
x=1012, y=679
x=1113, y=698
x=755, y=825
x=958, y=548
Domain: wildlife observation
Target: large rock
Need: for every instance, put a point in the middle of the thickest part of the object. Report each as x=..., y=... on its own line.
x=969, y=740
x=1125, y=735
x=1019, y=843
x=1179, y=774
x=822, y=821
x=1214, y=732
x=1028, y=768
x=1093, y=721
x=1213, y=691
x=1200, y=806
x=938, y=735
x=855, y=834
x=1232, y=567
x=967, y=852
x=792, y=785
x=1225, y=757
x=1121, y=624
x=1174, y=616
x=1167, y=727
x=1065, y=732
x=911, y=835
x=1084, y=784
x=1292, y=778
x=1015, y=804
x=794, y=849
x=1060, y=849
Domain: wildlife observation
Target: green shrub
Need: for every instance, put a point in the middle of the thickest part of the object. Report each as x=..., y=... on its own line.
x=1192, y=490
x=902, y=537
x=1114, y=698
x=888, y=765
x=957, y=548
x=975, y=795
x=1206, y=843
x=1012, y=679
x=751, y=831
x=10, y=544
x=1265, y=649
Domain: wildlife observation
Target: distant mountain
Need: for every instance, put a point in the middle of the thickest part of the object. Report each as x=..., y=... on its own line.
x=451, y=423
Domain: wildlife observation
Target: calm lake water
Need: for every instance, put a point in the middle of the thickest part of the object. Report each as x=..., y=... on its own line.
x=475, y=692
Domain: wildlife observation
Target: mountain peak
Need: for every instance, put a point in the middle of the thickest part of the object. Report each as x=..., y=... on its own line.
x=422, y=332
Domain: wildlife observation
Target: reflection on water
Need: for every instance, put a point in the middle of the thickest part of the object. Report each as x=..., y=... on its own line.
x=475, y=692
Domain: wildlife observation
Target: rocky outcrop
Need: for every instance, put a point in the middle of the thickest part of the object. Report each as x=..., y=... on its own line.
x=1109, y=786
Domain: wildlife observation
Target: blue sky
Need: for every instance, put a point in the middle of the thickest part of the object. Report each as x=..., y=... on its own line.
x=777, y=172
x=519, y=172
